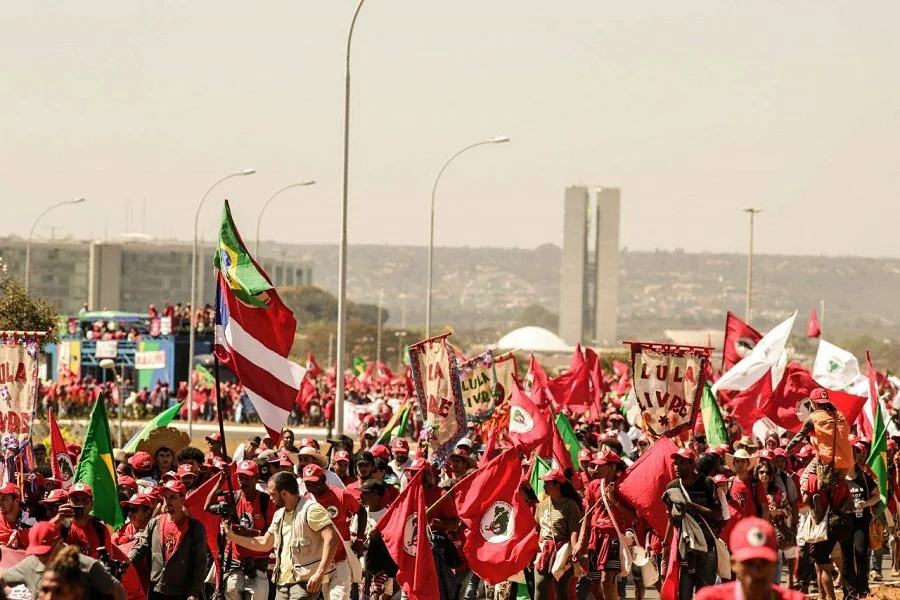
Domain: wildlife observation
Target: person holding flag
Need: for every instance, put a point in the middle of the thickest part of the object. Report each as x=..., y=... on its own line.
x=558, y=517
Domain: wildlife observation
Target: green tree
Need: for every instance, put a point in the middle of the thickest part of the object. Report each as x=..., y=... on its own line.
x=537, y=316
x=312, y=304
x=21, y=312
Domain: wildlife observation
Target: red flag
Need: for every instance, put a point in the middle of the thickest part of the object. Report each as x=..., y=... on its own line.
x=403, y=529
x=599, y=388
x=644, y=483
x=536, y=372
x=383, y=371
x=745, y=406
x=528, y=428
x=850, y=405
x=572, y=388
x=60, y=462
x=307, y=393
x=781, y=405
x=555, y=447
x=489, y=446
x=501, y=537
x=740, y=339
x=812, y=326
x=312, y=367
x=194, y=504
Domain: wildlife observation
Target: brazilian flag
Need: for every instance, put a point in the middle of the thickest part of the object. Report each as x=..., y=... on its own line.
x=233, y=261
x=95, y=468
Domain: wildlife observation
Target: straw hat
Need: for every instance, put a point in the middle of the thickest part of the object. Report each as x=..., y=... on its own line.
x=164, y=437
x=729, y=458
x=317, y=456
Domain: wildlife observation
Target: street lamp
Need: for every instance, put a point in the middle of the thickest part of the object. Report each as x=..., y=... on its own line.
x=342, y=260
x=264, y=206
x=495, y=140
x=109, y=364
x=31, y=235
x=752, y=212
x=191, y=333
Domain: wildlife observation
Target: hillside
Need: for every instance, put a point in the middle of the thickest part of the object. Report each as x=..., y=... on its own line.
x=488, y=287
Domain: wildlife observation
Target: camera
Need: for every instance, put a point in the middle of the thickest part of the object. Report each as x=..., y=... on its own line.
x=78, y=511
x=116, y=568
x=225, y=510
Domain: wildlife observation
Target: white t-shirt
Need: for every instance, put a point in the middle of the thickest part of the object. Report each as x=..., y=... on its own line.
x=372, y=519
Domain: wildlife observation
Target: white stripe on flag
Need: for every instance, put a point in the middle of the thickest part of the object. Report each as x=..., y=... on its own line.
x=241, y=342
x=273, y=417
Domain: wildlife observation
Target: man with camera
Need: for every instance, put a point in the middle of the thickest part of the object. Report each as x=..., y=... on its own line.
x=250, y=512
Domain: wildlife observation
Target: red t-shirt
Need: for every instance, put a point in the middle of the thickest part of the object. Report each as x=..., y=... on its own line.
x=172, y=534
x=837, y=494
x=127, y=533
x=742, y=498
x=10, y=536
x=250, y=515
x=729, y=591
x=342, y=507
x=86, y=539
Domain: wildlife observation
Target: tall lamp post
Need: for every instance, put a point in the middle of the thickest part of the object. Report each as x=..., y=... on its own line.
x=752, y=212
x=192, y=333
x=31, y=235
x=342, y=260
x=266, y=205
x=378, y=334
x=494, y=140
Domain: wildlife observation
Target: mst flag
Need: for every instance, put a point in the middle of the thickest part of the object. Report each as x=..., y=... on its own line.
x=60, y=462
x=740, y=339
x=878, y=454
x=502, y=534
x=254, y=331
x=527, y=426
x=404, y=529
x=95, y=468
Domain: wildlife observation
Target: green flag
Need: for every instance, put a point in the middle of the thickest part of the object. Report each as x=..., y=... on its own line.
x=160, y=420
x=569, y=438
x=716, y=434
x=878, y=454
x=203, y=375
x=359, y=365
x=538, y=469
x=396, y=427
x=237, y=268
x=95, y=468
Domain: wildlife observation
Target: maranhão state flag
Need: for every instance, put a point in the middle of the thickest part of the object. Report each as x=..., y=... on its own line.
x=528, y=428
x=740, y=339
x=254, y=331
x=404, y=530
x=501, y=538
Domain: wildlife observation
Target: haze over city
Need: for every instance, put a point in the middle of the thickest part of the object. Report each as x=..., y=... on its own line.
x=694, y=109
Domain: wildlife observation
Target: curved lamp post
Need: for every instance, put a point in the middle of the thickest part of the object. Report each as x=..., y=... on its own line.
x=272, y=197
x=31, y=235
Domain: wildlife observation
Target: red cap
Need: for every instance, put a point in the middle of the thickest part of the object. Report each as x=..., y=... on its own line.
x=720, y=479
x=861, y=447
x=142, y=461
x=381, y=451
x=37, y=479
x=139, y=500
x=186, y=469
x=313, y=473
x=341, y=456
x=81, y=488
x=819, y=396
x=684, y=454
x=10, y=489
x=805, y=451
x=584, y=454
x=247, y=467
x=753, y=538
x=176, y=486
x=285, y=462
x=167, y=476
x=607, y=457
x=462, y=452
x=127, y=481
x=307, y=443
x=56, y=496
x=214, y=437
x=400, y=444
x=41, y=538
x=554, y=475
x=765, y=454
x=417, y=465
x=778, y=452
x=892, y=445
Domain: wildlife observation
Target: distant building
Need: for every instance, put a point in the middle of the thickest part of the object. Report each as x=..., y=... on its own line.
x=128, y=275
x=589, y=278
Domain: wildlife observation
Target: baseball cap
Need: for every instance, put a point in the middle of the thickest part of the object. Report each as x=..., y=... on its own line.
x=465, y=443
x=214, y=437
x=607, y=457
x=176, y=486
x=400, y=444
x=820, y=396
x=341, y=456
x=554, y=475
x=142, y=461
x=10, y=489
x=371, y=432
x=186, y=469
x=55, y=496
x=778, y=452
x=127, y=481
x=308, y=443
x=684, y=454
x=81, y=488
x=247, y=467
x=139, y=500
x=381, y=452
x=374, y=486
x=766, y=455
x=365, y=458
x=41, y=538
x=584, y=454
x=313, y=473
x=167, y=476
x=753, y=538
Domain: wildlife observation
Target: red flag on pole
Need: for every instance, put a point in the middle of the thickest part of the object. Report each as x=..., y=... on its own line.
x=195, y=503
x=60, y=462
x=405, y=533
x=572, y=388
x=312, y=367
x=536, y=373
x=644, y=483
x=781, y=405
x=501, y=537
x=740, y=339
x=528, y=428
x=812, y=326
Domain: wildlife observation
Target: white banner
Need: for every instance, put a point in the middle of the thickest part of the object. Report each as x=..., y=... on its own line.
x=667, y=388
x=107, y=349
x=18, y=378
x=151, y=359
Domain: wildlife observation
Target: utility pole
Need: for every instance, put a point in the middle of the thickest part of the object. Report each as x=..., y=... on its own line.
x=378, y=334
x=748, y=312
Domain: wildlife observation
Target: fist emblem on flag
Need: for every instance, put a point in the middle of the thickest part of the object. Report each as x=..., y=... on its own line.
x=496, y=524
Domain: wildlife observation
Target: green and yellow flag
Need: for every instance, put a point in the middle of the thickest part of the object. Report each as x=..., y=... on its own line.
x=569, y=438
x=95, y=468
x=878, y=454
x=359, y=365
x=539, y=468
x=233, y=260
x=716, y=433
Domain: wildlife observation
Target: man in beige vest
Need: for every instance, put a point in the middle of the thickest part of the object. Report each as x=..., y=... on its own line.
x=303, y=537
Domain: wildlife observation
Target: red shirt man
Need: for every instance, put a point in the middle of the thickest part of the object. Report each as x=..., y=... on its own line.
x=340, y=504
x=14, y=523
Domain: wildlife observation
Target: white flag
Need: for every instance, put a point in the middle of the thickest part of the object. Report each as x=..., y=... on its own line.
x=768, y=354
x=835, y=368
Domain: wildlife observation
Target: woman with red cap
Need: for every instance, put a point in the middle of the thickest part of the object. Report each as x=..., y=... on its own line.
x=558, y=517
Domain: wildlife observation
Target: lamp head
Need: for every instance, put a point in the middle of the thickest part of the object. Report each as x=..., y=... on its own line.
x=500, y=139
x=308, y=182
x=248, y=171
x=77, y=200
x=108, y=363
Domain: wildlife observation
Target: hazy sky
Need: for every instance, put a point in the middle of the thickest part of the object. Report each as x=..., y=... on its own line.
x=694, y=108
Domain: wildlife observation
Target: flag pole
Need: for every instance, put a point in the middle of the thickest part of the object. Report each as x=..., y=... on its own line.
x=223, y=560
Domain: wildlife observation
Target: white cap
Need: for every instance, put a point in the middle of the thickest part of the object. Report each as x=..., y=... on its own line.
x=465, y=442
